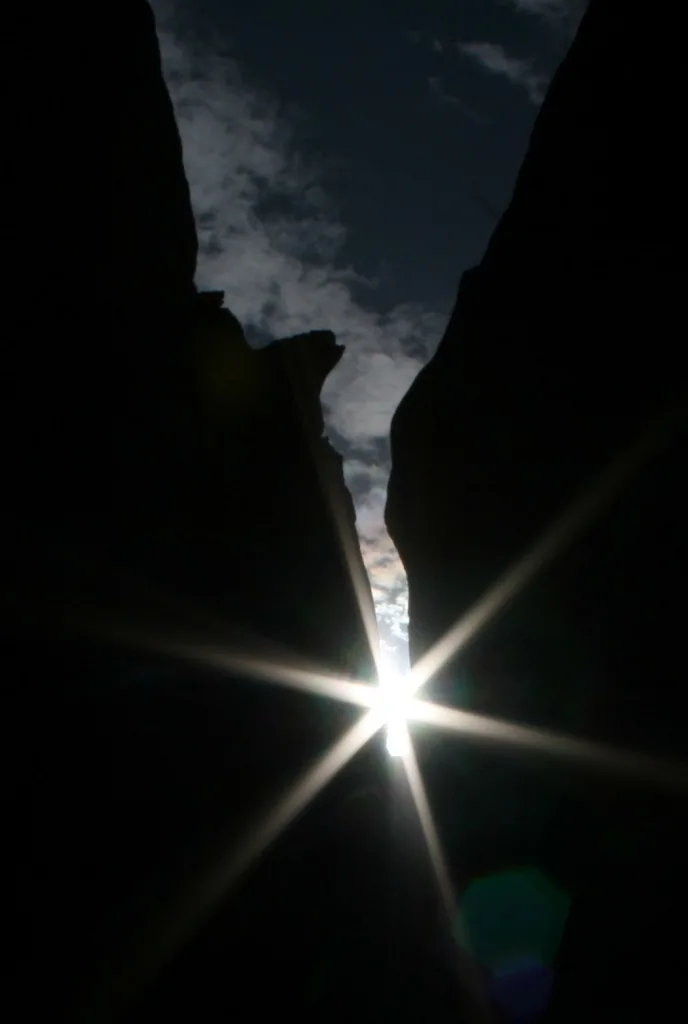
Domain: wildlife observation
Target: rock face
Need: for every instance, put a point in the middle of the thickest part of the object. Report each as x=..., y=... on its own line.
x=166, y=485
x=560, y=354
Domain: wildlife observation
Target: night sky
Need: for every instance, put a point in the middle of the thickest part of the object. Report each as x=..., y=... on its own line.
x=345, y=169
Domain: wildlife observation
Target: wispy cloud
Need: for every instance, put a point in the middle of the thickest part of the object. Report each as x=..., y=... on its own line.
x=438, y=90
x=272, y=240
x=493, y=58
x=562, y=14
x=390, y=590
x=544, y=8
x=553, y=9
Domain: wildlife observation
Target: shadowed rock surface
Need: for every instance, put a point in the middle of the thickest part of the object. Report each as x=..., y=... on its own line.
x=166, y=484
x=561, y=353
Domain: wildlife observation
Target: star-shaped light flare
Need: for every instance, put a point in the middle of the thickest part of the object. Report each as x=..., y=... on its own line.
x=392, y=705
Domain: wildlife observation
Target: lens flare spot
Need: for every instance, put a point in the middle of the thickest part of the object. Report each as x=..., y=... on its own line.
x=515, y=914
x=522, y=987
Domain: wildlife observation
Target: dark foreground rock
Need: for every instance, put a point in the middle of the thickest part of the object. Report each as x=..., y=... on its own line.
x=169, y=500
x=561, y=353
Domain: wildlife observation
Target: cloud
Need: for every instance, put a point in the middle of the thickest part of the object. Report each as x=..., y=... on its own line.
x=563, y=15
x=388, y=580
x=493, y=58
x=552, y=10
x=544, y=8
x=271, y=239
x=439, y=45
x=438, y=89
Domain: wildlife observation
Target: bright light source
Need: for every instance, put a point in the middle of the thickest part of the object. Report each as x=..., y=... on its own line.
x=396, y=701
x=398, y=740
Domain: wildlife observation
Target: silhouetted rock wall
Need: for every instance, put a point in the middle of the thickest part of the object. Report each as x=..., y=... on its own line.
x=168, y=482
x=561, y=353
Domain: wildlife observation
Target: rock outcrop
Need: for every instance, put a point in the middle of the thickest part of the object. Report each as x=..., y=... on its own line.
x=561, y=354
x=168, y=487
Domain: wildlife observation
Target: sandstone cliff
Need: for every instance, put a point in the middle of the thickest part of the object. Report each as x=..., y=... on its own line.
x=561, y=353
x=167, y=484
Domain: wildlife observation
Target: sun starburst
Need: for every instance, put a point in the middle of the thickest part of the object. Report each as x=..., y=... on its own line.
x=391, y=705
